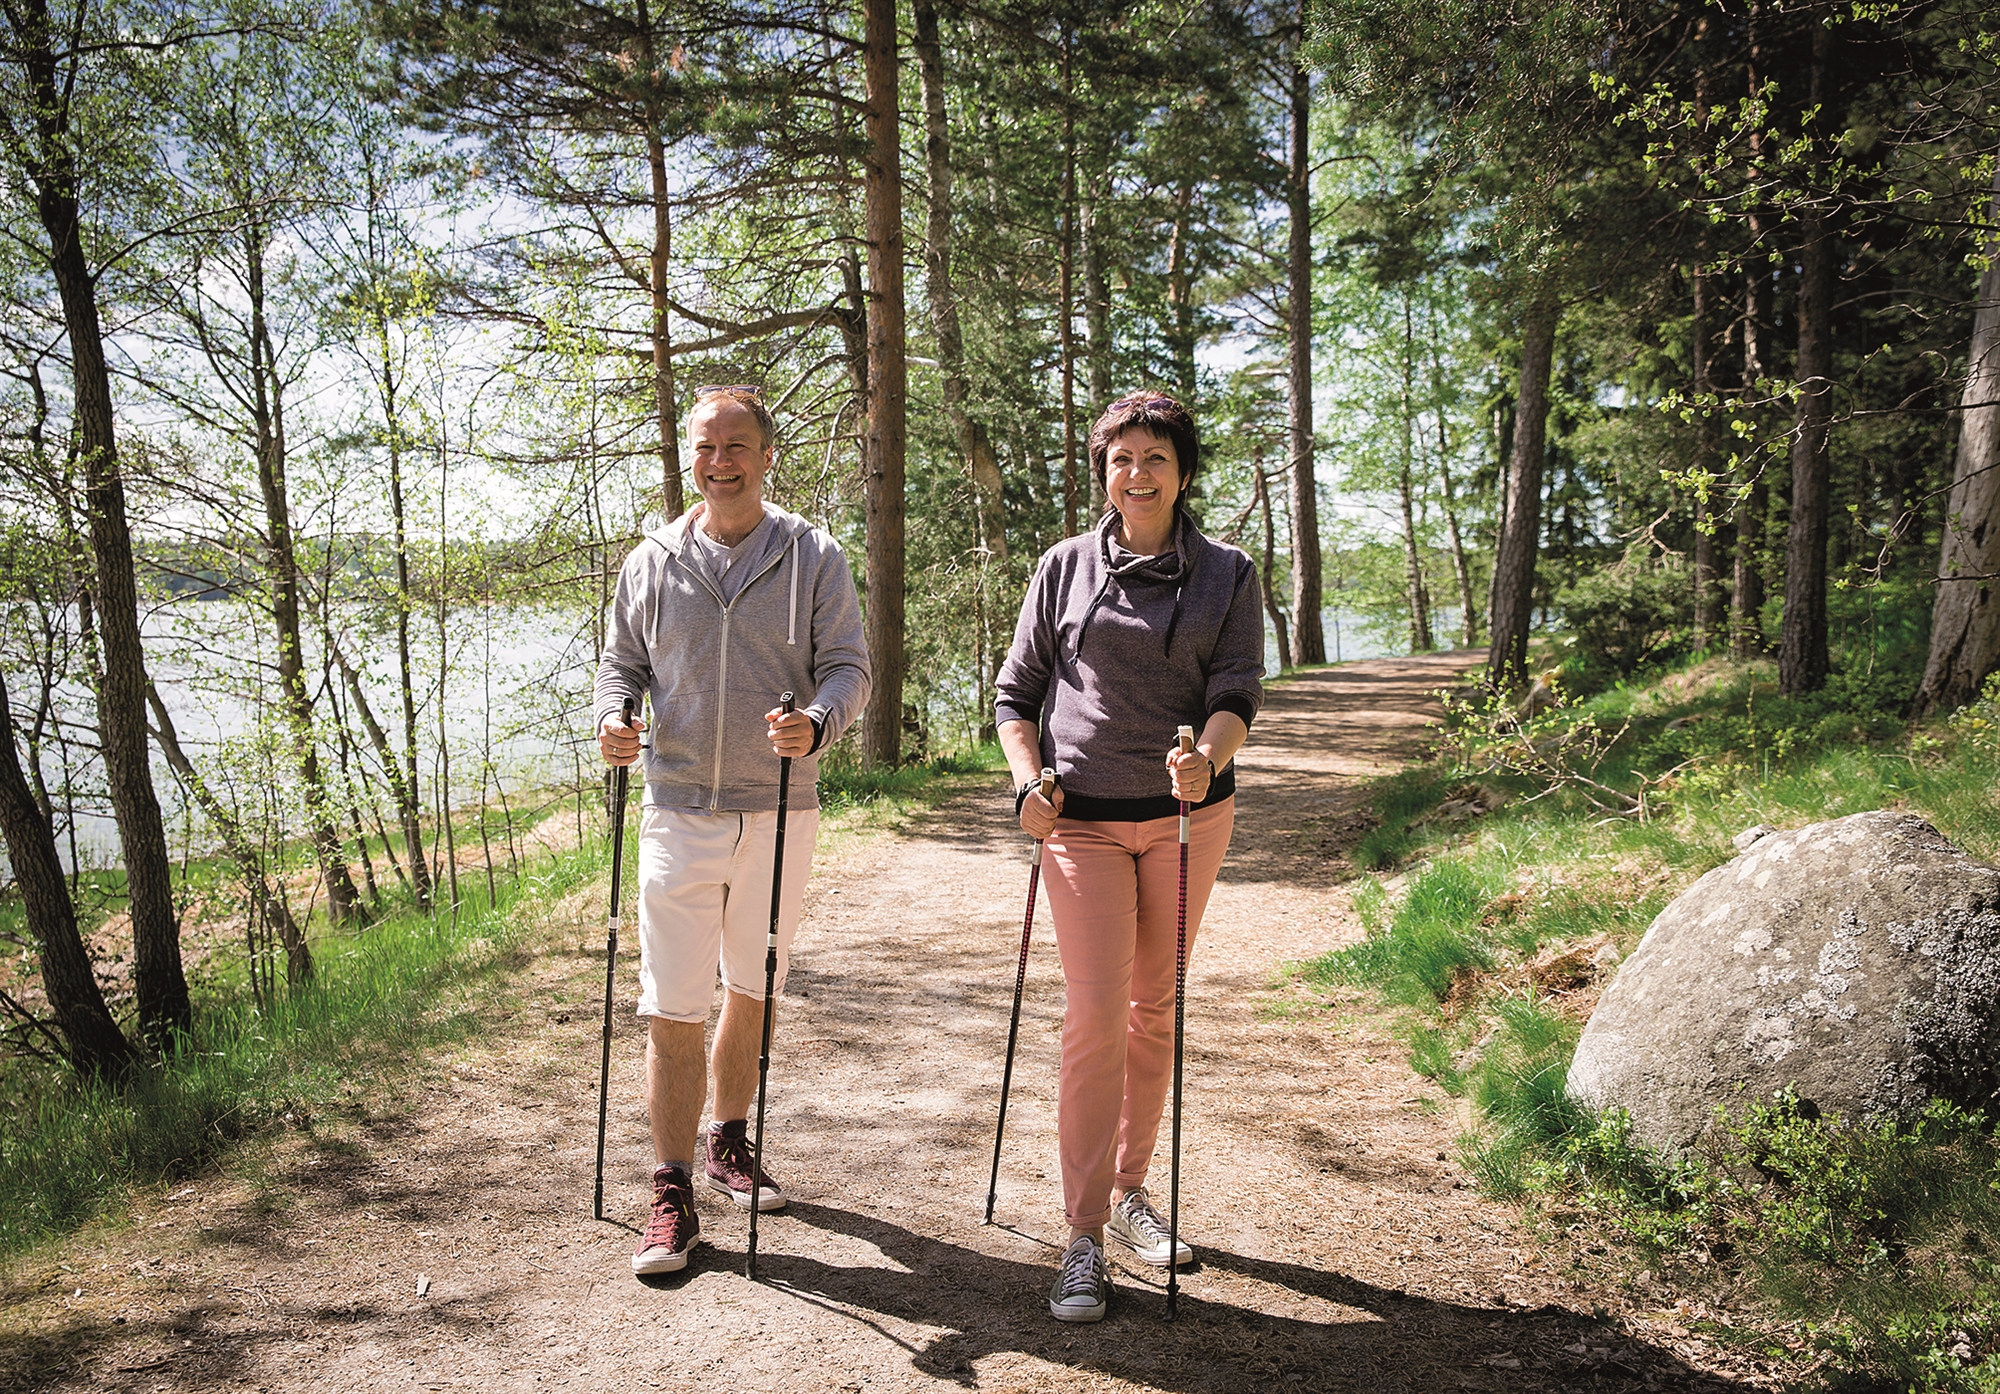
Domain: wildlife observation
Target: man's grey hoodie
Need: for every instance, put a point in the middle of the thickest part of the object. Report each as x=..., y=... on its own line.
x=713, y=668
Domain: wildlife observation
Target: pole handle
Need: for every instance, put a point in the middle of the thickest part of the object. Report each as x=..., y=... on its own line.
x=1048, y=785
x=1186, y=737
x=785, y=702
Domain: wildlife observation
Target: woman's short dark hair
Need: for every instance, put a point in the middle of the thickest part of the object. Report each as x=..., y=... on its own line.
x=1148, y=411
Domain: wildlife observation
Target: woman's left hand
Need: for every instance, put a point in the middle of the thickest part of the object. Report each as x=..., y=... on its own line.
x=1191, y=773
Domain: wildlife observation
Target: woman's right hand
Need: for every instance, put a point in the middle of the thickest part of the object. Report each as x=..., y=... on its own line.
x=1038, y=815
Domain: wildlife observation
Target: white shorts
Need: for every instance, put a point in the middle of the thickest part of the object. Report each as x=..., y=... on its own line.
x=705, y=897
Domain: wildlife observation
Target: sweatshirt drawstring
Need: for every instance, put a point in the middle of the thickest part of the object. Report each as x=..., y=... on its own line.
x=792, y=622
x=1103, y=588
x=1174, y=623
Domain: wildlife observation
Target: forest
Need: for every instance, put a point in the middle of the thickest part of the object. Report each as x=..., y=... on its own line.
x=346, y=341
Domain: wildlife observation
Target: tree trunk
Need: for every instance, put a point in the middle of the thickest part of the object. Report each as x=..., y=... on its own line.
x=1707, y=594
x=1802, y=652
x=1746, y=603
x=882, y=212
x=1514, y=567
x=665, y=409
x=1307, y=597
x=1285, y=660
x=1180, y=294
x=235, y=845
x=1066, y=329
x=96, y=1048
x=159, y=983
x=1468, y=613
x=981, y=465
x=403, y=785
x=1965, y=620
x=281, y=568
x=664, y=406
x=1096, y=318
x=1421, y=640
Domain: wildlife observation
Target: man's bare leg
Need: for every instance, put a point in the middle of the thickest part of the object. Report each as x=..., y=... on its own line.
x=675, y=1087
x=733, y=1061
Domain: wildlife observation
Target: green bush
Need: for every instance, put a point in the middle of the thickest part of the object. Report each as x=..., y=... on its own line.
x=1625, y=618
x=1429, y=943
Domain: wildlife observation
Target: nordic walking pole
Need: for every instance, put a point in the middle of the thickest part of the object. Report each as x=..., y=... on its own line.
x=770, y=991
x=1180, y=1003
x=1020, y=979
x=618, y=790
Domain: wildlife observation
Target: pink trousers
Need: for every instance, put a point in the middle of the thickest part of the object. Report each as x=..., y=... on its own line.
x=1114, y=891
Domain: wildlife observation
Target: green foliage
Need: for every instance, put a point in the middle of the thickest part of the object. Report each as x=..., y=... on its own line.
x=379, y=999
x=1428, y=945
x=1626, y=618
x=1879, y=1242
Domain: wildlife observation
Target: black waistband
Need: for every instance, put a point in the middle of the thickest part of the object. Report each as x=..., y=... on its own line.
x=1085, y=809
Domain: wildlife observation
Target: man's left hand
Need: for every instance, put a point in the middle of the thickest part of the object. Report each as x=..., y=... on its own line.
x=791, y=733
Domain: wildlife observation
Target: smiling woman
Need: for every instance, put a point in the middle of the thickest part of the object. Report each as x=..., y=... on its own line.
x=1127, y=634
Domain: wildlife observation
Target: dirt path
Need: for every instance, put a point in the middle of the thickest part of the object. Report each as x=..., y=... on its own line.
x=1340, y=1249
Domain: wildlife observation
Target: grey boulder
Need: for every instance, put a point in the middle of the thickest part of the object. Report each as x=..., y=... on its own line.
x=1857, y=961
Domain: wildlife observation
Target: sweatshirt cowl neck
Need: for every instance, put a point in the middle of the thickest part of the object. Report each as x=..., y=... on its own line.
x=1127, y=565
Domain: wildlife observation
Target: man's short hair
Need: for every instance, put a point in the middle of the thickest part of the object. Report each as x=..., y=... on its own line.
x=745, y=395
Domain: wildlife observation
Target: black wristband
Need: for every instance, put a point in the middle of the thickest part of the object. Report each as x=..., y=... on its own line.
x=1029, y=787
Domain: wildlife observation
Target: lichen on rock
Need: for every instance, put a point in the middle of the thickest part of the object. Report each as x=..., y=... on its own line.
x=1855, y=961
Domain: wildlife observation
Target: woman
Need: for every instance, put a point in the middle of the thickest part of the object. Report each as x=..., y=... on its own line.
x=1126, y=634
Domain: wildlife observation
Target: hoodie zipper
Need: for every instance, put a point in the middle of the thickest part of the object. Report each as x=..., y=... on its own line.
x=722, y=667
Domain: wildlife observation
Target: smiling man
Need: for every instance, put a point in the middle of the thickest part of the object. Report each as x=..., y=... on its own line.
x=717, y=614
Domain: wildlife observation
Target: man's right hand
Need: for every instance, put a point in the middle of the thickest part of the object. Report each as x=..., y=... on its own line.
x=619, y=741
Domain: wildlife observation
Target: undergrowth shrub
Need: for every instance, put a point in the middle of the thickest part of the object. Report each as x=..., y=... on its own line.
x=1430, y=941
x=1625, y=618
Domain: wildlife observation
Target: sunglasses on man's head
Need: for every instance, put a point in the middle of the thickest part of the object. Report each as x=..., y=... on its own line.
x=747, y=389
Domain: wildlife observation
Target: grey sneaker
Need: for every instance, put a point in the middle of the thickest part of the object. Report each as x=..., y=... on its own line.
x=1083, y=1286
x=1142, y=1229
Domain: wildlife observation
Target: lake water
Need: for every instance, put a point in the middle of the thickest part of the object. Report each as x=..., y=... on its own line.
x=519, y=690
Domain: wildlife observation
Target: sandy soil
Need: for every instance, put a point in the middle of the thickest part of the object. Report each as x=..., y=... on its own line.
x=444, y=1239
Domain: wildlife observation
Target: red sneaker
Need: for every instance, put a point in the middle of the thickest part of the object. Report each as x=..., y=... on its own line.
x=729, y=1162
x=673, y=1229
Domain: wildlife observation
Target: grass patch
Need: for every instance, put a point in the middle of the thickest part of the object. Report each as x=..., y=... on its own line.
x=1881, y=1246
x=378, y=998
x=396, y=992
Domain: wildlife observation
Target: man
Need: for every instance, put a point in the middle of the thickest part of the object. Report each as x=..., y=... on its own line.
x=717, y=614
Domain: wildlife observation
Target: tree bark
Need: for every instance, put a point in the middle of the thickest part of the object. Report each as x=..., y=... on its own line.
x=1096, y=318
x=1285, y=660
x=1468, y=616
x=1746, y=602
x=160, y=984
x=403, y=785
x=1307, y=593
x=96, y=1048
x=281, y=568
x=1707, y=594
x=1965, y=619
x=882, y=212
x=1803, y=661
x=1514, y=567
x=1421, y=638
x=981, y=465
x=236, y=845
x=1180, y=293
x=1066, y=329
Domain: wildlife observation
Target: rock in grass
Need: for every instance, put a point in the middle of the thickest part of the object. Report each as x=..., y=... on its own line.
x=1857, y=961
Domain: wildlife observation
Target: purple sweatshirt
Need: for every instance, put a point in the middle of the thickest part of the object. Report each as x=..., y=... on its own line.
x=1114, y=651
